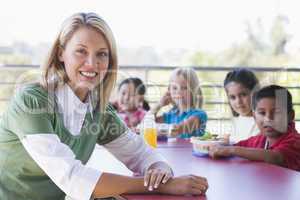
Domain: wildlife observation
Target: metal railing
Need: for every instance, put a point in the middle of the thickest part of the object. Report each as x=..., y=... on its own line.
x=157, y=77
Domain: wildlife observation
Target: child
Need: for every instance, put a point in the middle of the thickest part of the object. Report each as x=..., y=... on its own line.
x=128, y=103
x=185, y=95
x=278, y=142
x=239, y=85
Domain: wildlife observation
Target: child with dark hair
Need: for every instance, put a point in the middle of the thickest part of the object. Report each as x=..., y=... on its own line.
x=278, y=142
x=131, y=101
x=239, y=84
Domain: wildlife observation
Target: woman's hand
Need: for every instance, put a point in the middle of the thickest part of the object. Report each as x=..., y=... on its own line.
x=220, y=151
x=185, y=185
x=156, y=174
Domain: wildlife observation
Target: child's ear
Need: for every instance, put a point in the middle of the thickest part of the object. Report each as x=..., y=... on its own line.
x=291, y=116
x=253, y=114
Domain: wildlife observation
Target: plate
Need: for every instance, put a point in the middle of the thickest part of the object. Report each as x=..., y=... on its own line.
x=200, y=154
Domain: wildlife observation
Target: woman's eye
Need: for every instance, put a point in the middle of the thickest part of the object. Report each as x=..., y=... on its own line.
x=81, y=51
x=102, y=55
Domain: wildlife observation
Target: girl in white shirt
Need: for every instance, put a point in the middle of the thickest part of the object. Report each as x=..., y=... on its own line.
x=239, y=85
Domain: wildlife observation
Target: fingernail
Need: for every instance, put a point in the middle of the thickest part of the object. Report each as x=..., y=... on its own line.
x=150, y=188
x=145, y=184
x=164, y=181
x=156, y=185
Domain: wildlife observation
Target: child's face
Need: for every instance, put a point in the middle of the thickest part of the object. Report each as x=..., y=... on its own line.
x=179, y=91
x=239, y=98
x=271, y=118
x=127, y=97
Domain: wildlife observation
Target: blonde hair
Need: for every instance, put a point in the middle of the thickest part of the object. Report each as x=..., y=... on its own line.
x=54, y=73
x=190, y=75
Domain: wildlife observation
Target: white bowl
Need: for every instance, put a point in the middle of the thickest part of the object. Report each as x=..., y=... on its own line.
x=202, y=146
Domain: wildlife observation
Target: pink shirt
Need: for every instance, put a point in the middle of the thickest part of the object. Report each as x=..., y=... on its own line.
x=288, y=145
x=132, y=119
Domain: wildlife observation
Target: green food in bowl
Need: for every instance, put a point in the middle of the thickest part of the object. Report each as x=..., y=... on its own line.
x=208, y=136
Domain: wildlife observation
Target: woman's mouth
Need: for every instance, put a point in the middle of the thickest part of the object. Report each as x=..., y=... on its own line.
x=88, y=74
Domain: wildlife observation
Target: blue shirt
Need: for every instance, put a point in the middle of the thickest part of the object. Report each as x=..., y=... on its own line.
x=173, y=117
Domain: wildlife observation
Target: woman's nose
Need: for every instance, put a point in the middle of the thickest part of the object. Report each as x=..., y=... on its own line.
x=91, y=61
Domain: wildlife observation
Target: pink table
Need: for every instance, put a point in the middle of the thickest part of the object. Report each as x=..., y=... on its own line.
x=231, y=178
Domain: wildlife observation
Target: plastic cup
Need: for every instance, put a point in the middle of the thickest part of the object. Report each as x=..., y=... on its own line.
x=150, y=136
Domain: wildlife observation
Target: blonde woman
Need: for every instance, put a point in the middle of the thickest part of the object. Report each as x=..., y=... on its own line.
x=184, y=93
x=50, y=129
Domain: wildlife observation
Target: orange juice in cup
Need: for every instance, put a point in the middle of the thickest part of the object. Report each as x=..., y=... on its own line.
x=150, y=136
x=149, y=130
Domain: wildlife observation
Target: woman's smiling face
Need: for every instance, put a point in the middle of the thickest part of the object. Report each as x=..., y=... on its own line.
x=86, y=60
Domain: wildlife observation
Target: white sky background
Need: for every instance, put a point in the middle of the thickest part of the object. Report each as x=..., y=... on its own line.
x=203, y=24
